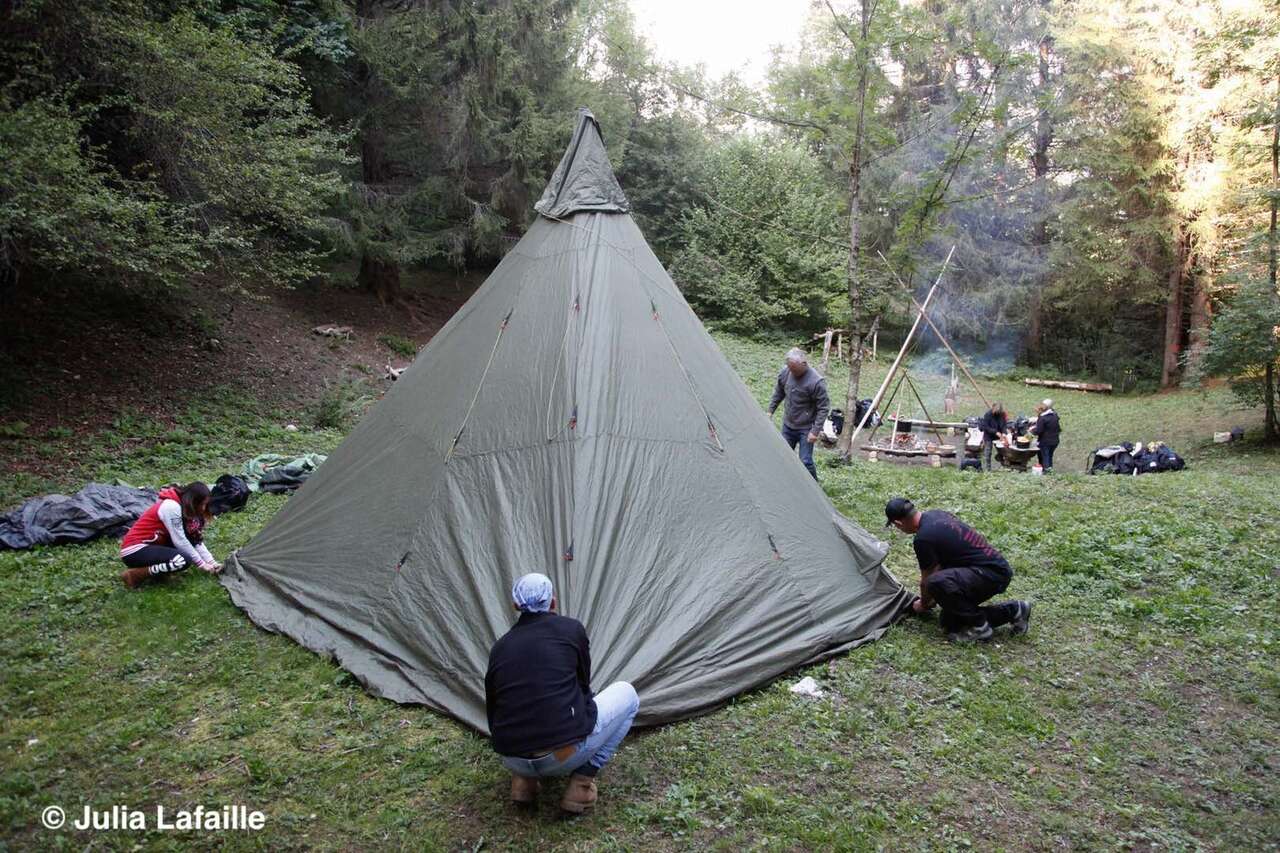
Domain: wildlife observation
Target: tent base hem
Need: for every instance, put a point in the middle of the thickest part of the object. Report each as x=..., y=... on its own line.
x=370, y=666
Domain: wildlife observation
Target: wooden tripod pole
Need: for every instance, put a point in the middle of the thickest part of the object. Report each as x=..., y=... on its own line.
x=941, y=337
x=893, y=368
x=888, y=400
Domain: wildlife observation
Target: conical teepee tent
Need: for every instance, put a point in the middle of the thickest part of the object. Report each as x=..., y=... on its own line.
x=573, y=418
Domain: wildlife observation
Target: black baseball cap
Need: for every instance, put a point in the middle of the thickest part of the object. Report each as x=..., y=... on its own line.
x=897, y=508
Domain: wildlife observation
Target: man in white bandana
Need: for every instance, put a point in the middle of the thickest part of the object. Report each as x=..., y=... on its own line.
x=543, y=718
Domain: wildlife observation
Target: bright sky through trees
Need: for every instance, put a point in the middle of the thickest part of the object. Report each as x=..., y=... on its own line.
x=723, y=35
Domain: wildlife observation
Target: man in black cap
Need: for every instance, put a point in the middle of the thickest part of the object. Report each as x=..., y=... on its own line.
x=958, y=570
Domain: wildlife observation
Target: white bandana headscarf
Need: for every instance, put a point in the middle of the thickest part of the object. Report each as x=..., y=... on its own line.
x=532, y=593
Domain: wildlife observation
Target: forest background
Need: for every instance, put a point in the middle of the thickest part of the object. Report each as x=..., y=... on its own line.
x=1107, y=171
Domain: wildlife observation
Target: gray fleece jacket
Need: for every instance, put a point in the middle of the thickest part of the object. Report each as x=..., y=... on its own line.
x=807, y=401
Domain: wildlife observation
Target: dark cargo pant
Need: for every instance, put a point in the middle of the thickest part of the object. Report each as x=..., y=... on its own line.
x=960, y=591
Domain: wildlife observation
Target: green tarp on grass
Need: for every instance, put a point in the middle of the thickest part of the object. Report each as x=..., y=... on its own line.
x=574, y=418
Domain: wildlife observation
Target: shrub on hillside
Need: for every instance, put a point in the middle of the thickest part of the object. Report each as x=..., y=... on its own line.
x=341, y=404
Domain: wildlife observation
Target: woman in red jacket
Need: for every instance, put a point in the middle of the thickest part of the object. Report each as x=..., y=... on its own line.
x=169, y=536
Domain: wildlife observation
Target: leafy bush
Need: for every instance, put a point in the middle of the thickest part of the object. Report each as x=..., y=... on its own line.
x=341, y=404
x=766, y=251
x=399, y=344
x=144, y=145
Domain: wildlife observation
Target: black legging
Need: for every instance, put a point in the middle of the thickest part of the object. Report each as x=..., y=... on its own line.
x=160, y=559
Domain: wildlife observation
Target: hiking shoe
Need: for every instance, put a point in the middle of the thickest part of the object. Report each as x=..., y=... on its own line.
x=1022, y=622
x=524, y=790
x=134, y=578
x=580, y=795
x=974, y=634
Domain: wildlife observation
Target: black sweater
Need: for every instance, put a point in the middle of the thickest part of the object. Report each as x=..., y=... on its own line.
x=993, y=425
x=538, y=687
x=1047, y=429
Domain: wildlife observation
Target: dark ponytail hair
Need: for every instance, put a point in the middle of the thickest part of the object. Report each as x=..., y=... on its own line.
x=194, y=498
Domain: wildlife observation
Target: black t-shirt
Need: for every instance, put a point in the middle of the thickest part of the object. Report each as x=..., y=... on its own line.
x=946, y=541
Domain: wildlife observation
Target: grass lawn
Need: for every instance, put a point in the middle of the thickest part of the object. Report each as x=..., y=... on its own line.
x=1143, y=710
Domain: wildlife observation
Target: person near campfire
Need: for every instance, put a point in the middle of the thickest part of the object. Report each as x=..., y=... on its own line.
x=1047, y=431
x=994, y=424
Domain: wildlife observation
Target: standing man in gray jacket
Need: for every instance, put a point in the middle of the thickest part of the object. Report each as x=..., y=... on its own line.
x=807, y=405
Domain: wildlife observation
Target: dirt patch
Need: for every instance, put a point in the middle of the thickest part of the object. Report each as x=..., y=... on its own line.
x=76, y=359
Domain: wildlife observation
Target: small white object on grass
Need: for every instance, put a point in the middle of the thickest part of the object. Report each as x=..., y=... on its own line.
x=291, y=428
x=808, y=687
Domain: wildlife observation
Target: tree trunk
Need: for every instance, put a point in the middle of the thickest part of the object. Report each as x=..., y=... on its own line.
x=1272, y=431
x=1201, y=320
x=858, y=334
x=380, y=278
x=1040, y=234
x=377, y=275
x=1173, y=314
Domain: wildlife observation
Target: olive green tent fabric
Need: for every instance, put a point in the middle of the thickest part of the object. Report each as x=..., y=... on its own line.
x=573, y=418
x=584, y=180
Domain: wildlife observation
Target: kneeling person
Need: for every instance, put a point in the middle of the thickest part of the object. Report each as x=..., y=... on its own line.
x=543, y=718
x=169, y=536
x=958, y=570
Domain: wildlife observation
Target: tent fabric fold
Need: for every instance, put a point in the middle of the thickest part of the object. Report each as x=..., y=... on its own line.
x=573, y=418
x=584, y=180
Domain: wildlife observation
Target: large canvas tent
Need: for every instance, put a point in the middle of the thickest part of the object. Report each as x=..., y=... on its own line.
x=573, y=418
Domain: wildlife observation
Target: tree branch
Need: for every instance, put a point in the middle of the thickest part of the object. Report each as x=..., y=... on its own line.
x=772, y=119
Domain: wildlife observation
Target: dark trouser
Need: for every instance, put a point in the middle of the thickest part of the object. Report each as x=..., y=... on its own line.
x=960, y=591
x=1046, y=455
x=801, y=437
x=160, y=559
x=987, y=446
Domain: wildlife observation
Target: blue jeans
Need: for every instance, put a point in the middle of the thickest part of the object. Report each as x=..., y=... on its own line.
x=1046, y=456
x=800, y=437
x=616, y=707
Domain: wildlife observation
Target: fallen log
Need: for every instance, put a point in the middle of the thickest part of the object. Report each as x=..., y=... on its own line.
x=928, y=424
x=329, y=330
x=1097, y=387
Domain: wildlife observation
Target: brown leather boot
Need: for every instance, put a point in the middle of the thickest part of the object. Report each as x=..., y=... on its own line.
x=580, y=795
x=524, y=790
x=134, y=578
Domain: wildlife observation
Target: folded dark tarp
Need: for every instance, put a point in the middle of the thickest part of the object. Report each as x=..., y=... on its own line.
x=274, y=473
x=96, y=510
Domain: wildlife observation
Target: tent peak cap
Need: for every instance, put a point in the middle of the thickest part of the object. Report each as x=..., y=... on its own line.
x=584, y=180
